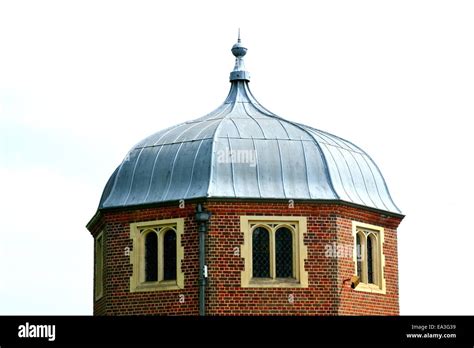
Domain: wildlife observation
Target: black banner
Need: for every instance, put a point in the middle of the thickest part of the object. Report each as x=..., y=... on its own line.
x=164, y=331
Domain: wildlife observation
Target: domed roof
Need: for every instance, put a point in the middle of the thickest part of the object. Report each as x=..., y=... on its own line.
x=242, y=150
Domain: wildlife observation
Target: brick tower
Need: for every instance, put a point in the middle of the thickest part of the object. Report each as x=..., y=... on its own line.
x=242, y=212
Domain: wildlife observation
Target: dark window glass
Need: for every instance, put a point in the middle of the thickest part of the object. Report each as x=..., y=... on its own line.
x=284, y=253
x=261, y=253
x=99, y=257
x=169, y=255
x=370, y=261
x=99, y=264
x=151, y=257
x=359, y=257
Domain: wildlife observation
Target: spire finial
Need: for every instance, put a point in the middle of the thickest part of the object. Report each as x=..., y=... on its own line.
x=239, y=51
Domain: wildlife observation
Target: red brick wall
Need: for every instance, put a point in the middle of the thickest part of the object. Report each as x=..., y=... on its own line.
x=361, y=303
x=118, y=299
x=326, y=294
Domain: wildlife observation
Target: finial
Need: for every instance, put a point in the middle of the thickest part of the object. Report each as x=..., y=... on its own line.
x=239, y=51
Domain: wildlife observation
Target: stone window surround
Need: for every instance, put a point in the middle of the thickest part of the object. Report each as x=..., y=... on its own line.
x=138, y=233
x=364, y=230
x=99, y=266
x=298, y=226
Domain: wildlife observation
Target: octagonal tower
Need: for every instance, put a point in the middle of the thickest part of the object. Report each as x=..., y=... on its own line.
x=242, y=212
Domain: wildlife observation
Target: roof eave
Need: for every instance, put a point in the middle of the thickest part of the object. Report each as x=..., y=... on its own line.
x=264, y=200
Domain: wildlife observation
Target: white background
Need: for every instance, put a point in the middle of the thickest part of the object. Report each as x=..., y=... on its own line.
x=82, y=81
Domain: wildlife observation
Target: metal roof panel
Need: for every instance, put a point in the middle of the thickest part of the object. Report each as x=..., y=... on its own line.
x=243, y=150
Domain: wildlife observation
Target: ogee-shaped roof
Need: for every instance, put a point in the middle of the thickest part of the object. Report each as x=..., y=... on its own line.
x=242, y=150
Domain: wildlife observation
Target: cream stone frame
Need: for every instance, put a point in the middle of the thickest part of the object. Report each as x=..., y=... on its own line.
x=138, y=232
x=99, y=266
x=298, y=226
x=376, y=233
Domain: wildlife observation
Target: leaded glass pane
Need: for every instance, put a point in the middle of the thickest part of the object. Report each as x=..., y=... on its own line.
x=151, y=257
x=261, y=253
x=169, y=255
x=370, y=268
x=359, y=257
x=284, y=253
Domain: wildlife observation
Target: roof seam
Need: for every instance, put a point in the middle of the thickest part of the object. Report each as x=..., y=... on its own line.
x=375, y=182
x=152, y=173
x=235, y=125
x=133, y=176
x=257, y=168
x=323, y=156
x=363, y=178
x=306, y=167
x=178, y=142
x=258, y=124
x=340, y=178
x=211, y=162
x=192, y=169
x=340, y=147
x=232, y=168
x=165, y=193
x=351, y=176
x=281, y=169
x=326, y=134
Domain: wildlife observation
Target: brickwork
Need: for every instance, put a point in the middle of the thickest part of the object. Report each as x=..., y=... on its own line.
x=327, y=293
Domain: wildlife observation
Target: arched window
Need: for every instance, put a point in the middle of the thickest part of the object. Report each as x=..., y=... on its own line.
x=359, y=256
x=157, y=255
x=369, y=263
x=274, y=251
x=261, y=253
x=370, y=259
x=151, y=257
x=284, y=253
x=169, y=255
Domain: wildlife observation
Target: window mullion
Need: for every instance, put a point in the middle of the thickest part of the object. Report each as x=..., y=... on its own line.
x=160, y=255
x=272, y=254
x=364, y=258
x=377, y=262
x=294, y=256
x=140, y=257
